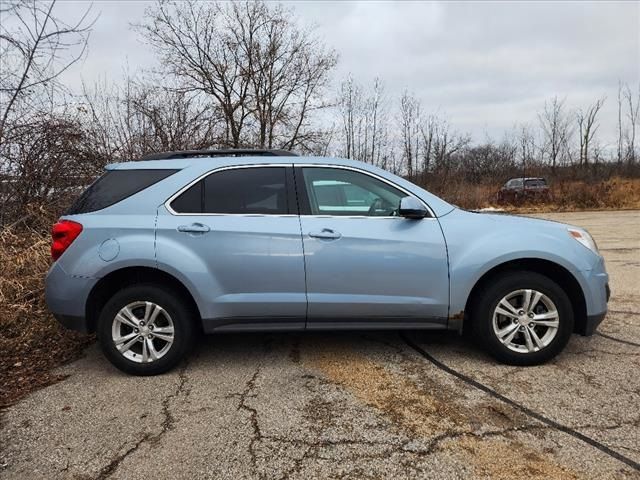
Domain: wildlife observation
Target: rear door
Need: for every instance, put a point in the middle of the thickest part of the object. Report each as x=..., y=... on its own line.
x=236, y=233
x=365, y=265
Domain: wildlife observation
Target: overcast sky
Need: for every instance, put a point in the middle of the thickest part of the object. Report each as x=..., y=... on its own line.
x=486, y=65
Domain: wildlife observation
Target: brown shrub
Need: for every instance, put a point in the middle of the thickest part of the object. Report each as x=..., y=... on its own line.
x=31, y=340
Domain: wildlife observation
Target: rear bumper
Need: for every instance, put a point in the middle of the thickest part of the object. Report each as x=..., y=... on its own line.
x=73, y=323
x=66, y=296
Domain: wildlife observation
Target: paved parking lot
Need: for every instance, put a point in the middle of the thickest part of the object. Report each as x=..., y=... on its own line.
x=353, y=405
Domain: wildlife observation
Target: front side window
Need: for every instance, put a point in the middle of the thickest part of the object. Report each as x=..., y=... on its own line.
x=339, y=192
x=260, y=190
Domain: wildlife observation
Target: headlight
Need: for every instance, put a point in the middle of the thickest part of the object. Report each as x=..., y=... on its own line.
x=584, y=238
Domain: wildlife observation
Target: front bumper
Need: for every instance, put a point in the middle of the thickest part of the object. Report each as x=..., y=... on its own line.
x=593, y=321
x=595, y=286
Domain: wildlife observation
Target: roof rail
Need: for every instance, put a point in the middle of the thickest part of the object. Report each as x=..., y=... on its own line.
x=229, y=152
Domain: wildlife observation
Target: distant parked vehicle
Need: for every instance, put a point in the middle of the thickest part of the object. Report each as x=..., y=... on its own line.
x=527, y=188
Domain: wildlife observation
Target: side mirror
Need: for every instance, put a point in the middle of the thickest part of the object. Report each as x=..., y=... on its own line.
x=411, y=207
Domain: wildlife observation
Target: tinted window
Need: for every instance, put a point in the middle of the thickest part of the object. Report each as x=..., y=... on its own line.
x=191, y=200
x=240, y=190
x=536, y=182
x=339, y=192
x=114, y=186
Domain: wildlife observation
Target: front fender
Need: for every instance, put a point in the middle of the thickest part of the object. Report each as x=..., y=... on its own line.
x=477, y=243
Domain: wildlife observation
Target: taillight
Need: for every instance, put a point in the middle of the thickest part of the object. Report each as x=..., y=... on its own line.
x=63, y=233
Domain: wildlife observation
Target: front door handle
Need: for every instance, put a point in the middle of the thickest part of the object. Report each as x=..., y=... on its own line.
x=326, y=234
x=194, y=228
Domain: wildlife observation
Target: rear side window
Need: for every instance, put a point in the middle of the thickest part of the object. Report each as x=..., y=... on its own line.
x=536, y=182
x=260, y=190
x=114, y=186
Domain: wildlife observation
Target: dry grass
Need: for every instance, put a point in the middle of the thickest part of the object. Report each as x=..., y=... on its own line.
x=31, y=340
x=566, y=195
x=431, y=410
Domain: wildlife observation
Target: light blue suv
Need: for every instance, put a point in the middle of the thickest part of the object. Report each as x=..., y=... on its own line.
x=159, y=250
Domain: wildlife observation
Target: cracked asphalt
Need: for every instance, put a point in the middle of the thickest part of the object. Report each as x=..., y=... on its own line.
x=353, y=405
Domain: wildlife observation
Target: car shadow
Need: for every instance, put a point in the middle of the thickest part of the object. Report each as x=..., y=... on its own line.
x=394, y=340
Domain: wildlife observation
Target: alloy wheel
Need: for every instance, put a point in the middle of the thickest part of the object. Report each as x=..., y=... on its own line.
x=525, y=321
x=142, y=332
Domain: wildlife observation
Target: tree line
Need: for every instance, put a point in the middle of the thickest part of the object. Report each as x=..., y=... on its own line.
x=247, y=74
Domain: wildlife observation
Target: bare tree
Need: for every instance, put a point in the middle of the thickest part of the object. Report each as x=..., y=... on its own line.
x=350, y=103
x=39, y=128
x=555, y=126
x=526, y=147
x=437, y=147
x=363, y=115
x=261, y=71
x=588, y=126
x=122, y=123
x=489, y=162
x=447, y=143
x=410, y=123
x=36, y=48
x=376, y=113
x=428, y=131
x=620, y=143
x=633, y=116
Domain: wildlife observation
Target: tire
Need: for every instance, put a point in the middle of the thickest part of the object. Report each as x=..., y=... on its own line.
x=173, y=320
x=488, y=324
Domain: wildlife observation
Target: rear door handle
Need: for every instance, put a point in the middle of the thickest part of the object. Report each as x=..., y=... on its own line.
x=326, y=234
x=194, y=228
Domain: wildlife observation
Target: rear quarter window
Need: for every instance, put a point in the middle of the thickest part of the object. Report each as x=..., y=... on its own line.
x=114, y=186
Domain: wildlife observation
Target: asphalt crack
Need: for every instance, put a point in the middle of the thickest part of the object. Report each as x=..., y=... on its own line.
x=253, y=417
x=168, y=423
x=435, y=442
x=312, y=449
x=169, y=420
x=625, y=312
x=537, y=416
x=596, y=352
x=112, y=466
x=619, y=340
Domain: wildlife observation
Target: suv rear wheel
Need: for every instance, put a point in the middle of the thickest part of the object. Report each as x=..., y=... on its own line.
x=523, y=318
x=145, y=329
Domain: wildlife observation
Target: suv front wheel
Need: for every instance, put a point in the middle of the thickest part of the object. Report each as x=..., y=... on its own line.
x=523, y=318
x=145, y=329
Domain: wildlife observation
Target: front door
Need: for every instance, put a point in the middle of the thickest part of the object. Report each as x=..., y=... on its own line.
x=366, y=266
x=236, y=235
